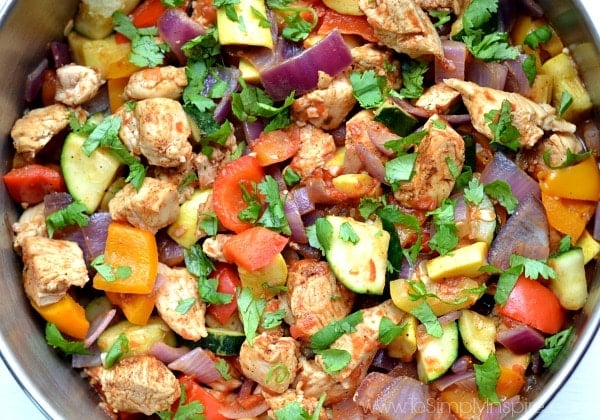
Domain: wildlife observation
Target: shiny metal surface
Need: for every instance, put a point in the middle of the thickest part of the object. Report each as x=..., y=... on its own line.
x=57, y=390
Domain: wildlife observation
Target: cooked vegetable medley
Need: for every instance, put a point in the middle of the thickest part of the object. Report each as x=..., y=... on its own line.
x=307, y=209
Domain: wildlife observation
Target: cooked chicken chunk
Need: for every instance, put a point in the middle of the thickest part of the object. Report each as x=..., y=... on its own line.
x=328, y=105
x=271, y=361
x=279, y=401
x=160, y=132
x=363, y=343
x=402, y=26
x=76, y=84
x=35, y=129
x=139, y=384
x=315, y=297
x=369, y=57
x=157, y=82
x=441, y=149
x=530, y=118
x=32, y=222
x=176, y=285
x=51, y=267
x=438, y=99
x=457, y=6
x=361, y=134
x=316, y=146
x=557, y=145
x=153, y=207
x=213, y=246
x=207, y=167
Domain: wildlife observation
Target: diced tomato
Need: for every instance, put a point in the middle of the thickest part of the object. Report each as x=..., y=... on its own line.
x=144, y=16
x=49, y=83
x=254, y=248
x=195, y=392
x=227, y=193
x=228, y=282
x=30, y=183
x=346, y=24
x=277, y=146
x=532, y=303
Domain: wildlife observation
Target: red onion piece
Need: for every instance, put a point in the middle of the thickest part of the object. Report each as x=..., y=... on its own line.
x=352, y=163
x=531, y=8
x=97, y=326
x=516, y=79
x=456, y=119
x=370, y=388
x=169, y=251
x=461, y=215
x=449, y=317
x=303, y=202
x=34, y=80
x=507, y=15
x=383, y=362
x=347, y=409
x=462, y=364
x=80, y=361
x=454, y=62
x=94, y=234
x=177, y=28
x=301, y=72
x=379, y=137
x=591, y=137
x=56, y=201
x=509, y=408
x=501, y=167
x=415, y=111
x=491, y=75
x=520, y=339
x=453, y=378
x=236, y=411
x=60, y=53
x=197, y=363
x=99, y=103
x=373, y=164
x=402, y=397
x=252, y=130
x=294, y=219
x=524, y=233
x=596, y=232
x=166, y=353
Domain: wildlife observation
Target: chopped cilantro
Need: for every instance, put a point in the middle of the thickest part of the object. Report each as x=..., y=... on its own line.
x=442, y=16
x=539, y=35
x=324, y=233
x=425, y=315
x=348, y=234
x=273, y=319
x=335, y=360
x=197, y=263
x=500, y=122
x=452, y=167
x=473, y=193
x=296, y=28
x=327, y=335
x=207, y=289
x=530, y=68
x=190, y=178
x=533, y=269
x=251, y=310
x=116, y=350
x=404, y=144
x=400, y=168
x=85, y=128
x=203, y=47
x=290, y=177
x=70, y=215
x=192, y=411
x=553, y=345
x=500, y=190
x=486, y=377
x=108, y=272
x=229, y=7
x=570, y=159
x=388, y=330
x=223, y=367
x=184, y=305
x=445, y=238
x=273, y=216
x=55, y=339
x=506, y=282
x=393, y=214
x=172, y=3
x=565, y=244
x=566, y=100
x=208, y=223
x=368, y=88
x=145, y=52
x=368, y=206
x=413, y=73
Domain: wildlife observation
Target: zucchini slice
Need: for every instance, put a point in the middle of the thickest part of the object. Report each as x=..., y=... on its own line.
x=223, y=342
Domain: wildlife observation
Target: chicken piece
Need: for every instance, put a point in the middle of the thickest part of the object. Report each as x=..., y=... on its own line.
x=382, y=62
x=313, y=381
x=279, y=401
x=32, y=222
x=315, y=297
x=532, y=160
x=129, y=133
x=402, y=26
x=316, y=146
x=363, y=343
x=163, y=130
x=153, y=207
x=530, y=118
x=178, y=284
x=207, y=167
x=271, y=361
x=139, y=384
x=76, y=84
x=35, y=129
x=440, y=156
x=361, y=133
x=157, y=82
x=213, y=246
x=456, y=6
x=438, y=99
x=327, y=106
x=51, y=266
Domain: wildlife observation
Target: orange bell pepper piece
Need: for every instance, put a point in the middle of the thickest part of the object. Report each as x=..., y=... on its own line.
x=115, y=92
x=132, y=248
x=568, y=216
x=137, y=308
x=254, y=248
x=510, y=382
x=576, y=182
x=276, y=146
x=67, y=315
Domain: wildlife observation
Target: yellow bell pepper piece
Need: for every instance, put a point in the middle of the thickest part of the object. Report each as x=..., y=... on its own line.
x=67, y=315
x=576, y=182
x=248, y=30
x=137, y=308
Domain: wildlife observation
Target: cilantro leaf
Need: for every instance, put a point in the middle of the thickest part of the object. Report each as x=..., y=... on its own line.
x=290, y=177
x=474, y=192
x=486, y=377
x=108, y=272
x=324, y=233
x=530, y=68
x=196, y=262
x=442, y=16
x=565, y=244
x=145, y=52
x=392, y=214
x=348, y=234
x=553, y=345
x=368, y=88
x=500, y=122
x=172, y=3
x=207, y=289
x=500, y=190
x=539, y=35
x=251, y=310
x=296, y=28
x=203, y=47
x=193, y=410
x=335, y=360
x=400, y=169
x=85, y=128
x=570, y=159
x=413, y=75
x=72, y=214
x=184, y=305
x=327, y=335
x=425, y=315
x=116, y=350
x=388, y=330
x=404, y=144
x=292, y=410
x=445, y=237
x=368, y=206
x=55, y=339
x=209, y=223
x=506, y=282
x=273, y=319
x=223, y=367
x=274, y=215
x=566, y=100
x=533, y=269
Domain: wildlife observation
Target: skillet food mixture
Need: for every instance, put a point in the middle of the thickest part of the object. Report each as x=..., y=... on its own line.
x=307, y=209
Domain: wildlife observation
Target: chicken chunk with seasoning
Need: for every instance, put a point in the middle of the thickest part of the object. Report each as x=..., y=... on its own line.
x=153, y=207
x=158, y=129
x=440, y=157
x=175, y=285
x=556, y=146
x=439, y=98
x=328, y=105
x=369, y=57
x=35, y=129
x=363, y=343
x=77, y=84
x=315, y=297
x=51, y=267
x=316, y=146
x=529, y=118
x=157, y=82
x=456, y=6
x=402, y=26
x=139, y=384
x=279, y=401
x=271, y=361
x=213, y=246
x=32, y=222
